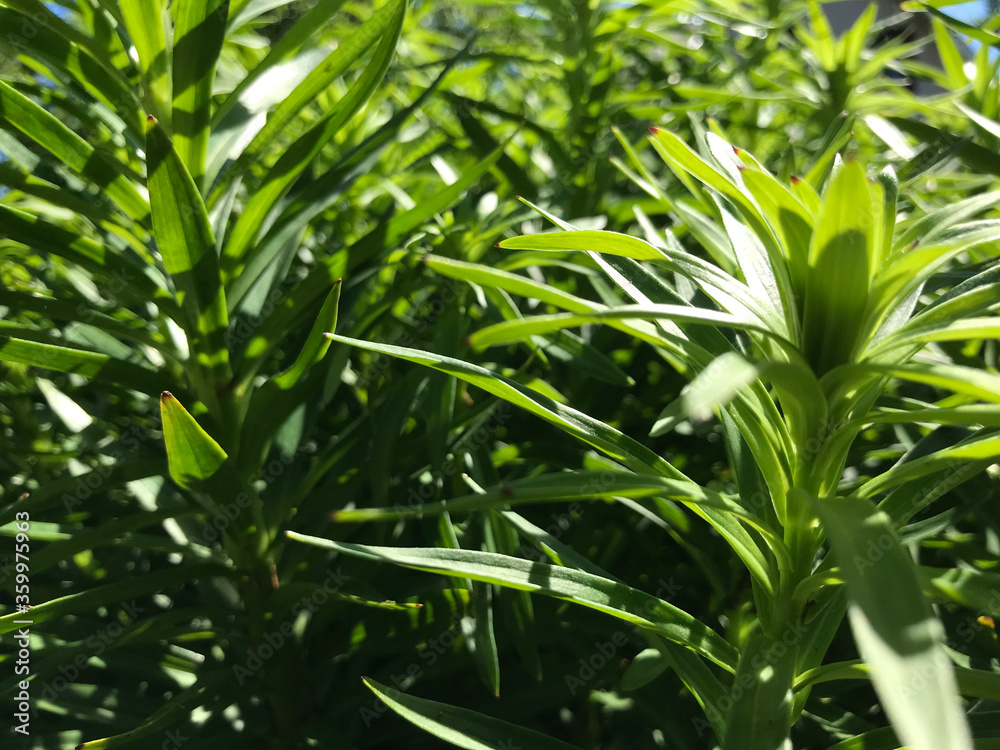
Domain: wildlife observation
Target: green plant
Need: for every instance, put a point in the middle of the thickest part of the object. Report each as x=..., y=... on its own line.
x=185, y=240
x=821, y=294
x=298, y=143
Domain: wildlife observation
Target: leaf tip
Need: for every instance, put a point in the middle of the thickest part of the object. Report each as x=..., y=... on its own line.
x=654, y=130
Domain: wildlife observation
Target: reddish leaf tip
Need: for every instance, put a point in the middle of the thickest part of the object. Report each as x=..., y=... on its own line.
x=151, y=119
x=166, y=396
x=796, y=180
x=654, y=130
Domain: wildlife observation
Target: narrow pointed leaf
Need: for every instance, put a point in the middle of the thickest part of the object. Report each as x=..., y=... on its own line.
x=184, y=237
x=613, y=598
x=895, y=628
x=192, y=454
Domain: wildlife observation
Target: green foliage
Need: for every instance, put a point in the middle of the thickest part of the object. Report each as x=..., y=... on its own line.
x=725, y=440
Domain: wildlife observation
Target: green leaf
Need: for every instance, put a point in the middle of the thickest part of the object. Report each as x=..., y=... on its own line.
x=729, y=293
x=841, y=268
x=49, y=43
x=171, y=712
x=713, y=387
x=18, y=112
x=304, y=28
x=645, y=667
x=576, y=423
x=975, y=589
x=460, y=726
x=976, y=448
x=187, y=245
x=199, y=30
x=147, y=23
x=386, y=235
x=80, y=361
x=486, y=656
x=612, y=243
x=977, y=158
x=316, y=344
x=973, y=32
x=613, y=598
x=512, y=331
x=192, y=454
x=70, y=412
x=591, y=431
x=308, y=146
x=894, y=626
x=760, y=718
x=334, y=66
x=562, y=487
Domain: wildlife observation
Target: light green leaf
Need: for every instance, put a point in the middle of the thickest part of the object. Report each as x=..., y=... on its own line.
x=184, y=237
x=334, y=66
x=147, y=22
x=80, y=361
x=70, y=412
x=894, y=627
x=841, y=267
x=199, y=30
x=18, y=112
x=192, y=454
x=513, y=331
x=612, y=243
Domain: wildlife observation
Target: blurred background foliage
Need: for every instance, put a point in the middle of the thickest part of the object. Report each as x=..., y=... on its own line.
x=549, y=100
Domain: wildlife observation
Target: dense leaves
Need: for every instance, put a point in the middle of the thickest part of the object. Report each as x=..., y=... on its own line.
x=316, y=422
